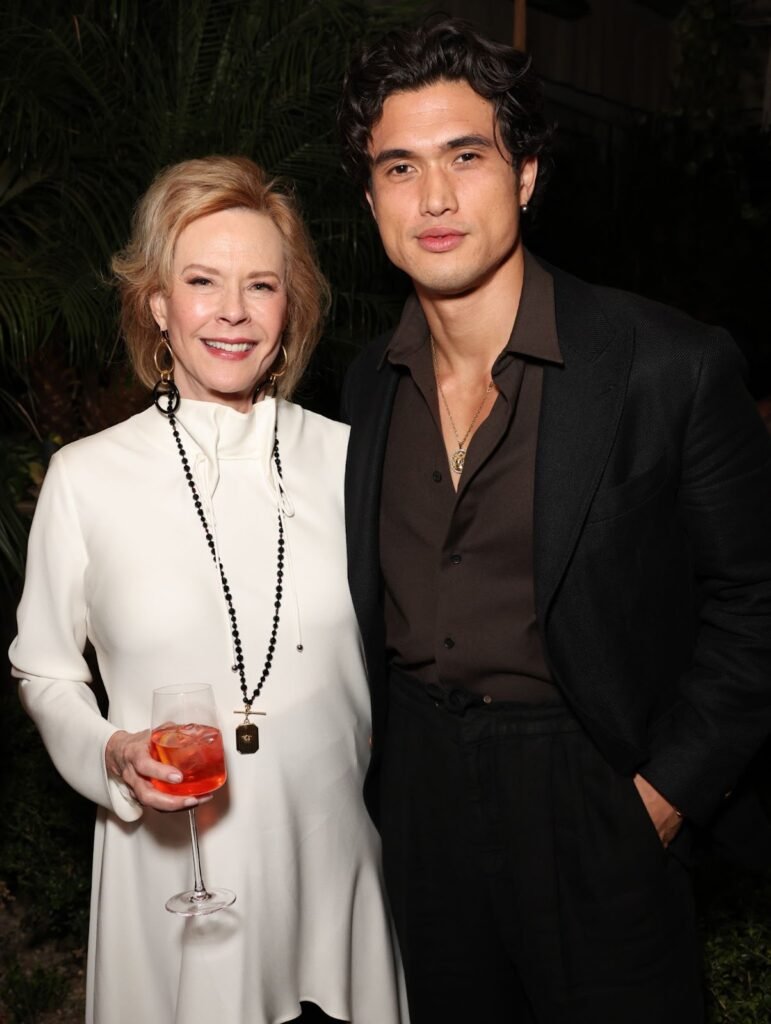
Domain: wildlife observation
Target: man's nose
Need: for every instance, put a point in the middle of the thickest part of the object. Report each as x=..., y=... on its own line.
x=438, y=193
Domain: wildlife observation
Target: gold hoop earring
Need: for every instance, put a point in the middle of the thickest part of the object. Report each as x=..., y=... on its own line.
x=165, y=386
x=165, y=373
x=275, y=374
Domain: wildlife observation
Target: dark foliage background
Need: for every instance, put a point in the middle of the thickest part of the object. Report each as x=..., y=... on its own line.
x=95, y=97
x=679, y=207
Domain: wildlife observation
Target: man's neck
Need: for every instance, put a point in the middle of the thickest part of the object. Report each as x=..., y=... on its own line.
x=470, y=330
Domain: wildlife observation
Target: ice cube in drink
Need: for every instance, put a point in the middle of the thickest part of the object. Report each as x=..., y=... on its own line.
x=196, y=751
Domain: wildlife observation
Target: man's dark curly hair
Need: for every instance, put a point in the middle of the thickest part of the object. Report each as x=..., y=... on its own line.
x=446, y=50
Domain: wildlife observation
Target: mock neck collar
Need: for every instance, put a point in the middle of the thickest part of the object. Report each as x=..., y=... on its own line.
x=221, y=433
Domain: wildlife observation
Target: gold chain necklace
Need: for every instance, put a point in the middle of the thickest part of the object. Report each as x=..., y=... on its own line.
x=458, y=457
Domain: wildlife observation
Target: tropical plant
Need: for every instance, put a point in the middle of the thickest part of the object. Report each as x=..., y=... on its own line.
x=95, y=98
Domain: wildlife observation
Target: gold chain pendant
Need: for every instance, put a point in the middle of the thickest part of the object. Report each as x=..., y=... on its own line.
x=458, y=457
x=457, y=460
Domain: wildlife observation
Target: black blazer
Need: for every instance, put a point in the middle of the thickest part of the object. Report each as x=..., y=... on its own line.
x=652, y=540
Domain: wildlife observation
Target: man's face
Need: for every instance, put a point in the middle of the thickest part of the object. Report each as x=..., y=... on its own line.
x=445, y=197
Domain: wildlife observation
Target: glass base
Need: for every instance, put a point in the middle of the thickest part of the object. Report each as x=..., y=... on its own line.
x=189, y=904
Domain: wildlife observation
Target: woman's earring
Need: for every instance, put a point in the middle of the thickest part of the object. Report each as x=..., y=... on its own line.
x=165, y=386
x=523, y=208
x=275, y=374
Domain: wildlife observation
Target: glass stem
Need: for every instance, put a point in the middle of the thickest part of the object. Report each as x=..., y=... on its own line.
x=200, y=889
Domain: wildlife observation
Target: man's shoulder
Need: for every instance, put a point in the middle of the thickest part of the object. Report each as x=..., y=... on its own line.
x=366, y=374
x=372, y=353
x=663, y=335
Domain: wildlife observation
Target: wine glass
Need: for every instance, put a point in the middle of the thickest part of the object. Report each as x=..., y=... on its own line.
x=185, y=735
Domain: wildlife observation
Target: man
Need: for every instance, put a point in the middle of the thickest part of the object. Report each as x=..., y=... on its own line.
x=558, y=503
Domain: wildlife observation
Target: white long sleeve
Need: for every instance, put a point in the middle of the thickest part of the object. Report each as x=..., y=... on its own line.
x=47, y=654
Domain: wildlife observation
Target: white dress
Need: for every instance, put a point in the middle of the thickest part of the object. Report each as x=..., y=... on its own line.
x=118, y=555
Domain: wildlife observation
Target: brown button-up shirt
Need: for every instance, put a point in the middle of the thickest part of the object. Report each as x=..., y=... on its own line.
x=458, y=567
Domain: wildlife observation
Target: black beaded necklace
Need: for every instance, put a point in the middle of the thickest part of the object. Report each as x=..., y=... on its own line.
x=247, y=734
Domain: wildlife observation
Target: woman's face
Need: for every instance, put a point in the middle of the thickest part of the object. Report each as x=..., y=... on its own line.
x=227, y=306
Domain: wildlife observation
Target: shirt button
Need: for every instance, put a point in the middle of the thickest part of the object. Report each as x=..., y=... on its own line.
x=455, y=559
x=436, y=476
x=449, y=643
x=487, y=699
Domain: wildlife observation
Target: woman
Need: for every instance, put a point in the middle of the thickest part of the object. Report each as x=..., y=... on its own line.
x=202, y=541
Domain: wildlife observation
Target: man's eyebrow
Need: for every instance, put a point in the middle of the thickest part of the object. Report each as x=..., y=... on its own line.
x=392, y=154
x=469, y=141
x=462, y=142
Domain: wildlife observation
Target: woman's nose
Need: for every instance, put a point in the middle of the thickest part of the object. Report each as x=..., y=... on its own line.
x=233, y=309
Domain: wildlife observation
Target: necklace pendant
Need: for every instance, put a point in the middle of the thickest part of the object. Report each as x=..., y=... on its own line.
x=457, y=460
x=247, y=738
x=247, y=733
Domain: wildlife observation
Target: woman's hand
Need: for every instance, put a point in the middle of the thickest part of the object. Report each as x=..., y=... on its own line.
x=127, y=757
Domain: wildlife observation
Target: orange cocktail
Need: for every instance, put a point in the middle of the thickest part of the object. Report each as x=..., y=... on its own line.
x=196, y=751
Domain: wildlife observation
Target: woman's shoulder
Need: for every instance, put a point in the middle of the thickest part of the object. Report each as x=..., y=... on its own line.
x=304, y=423
x=130, y=434
x=313, y=446
x=103, y=461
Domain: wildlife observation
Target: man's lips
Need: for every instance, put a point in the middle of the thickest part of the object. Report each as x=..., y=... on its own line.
x=440, y=239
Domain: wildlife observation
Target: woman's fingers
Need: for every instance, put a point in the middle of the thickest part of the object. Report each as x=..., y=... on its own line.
x=139, y=757
x=149, y=796
x=127, y=757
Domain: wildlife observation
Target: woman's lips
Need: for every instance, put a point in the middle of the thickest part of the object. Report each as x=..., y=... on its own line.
x=440, y=241
x=223, y=349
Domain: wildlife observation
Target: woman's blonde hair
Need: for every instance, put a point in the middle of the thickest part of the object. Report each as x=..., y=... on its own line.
x=183, y=193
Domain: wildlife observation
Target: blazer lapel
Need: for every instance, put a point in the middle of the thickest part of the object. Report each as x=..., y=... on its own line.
x=363, y=479
x=580, y=411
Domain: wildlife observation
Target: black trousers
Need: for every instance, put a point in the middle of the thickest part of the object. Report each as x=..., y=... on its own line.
x=527, y=882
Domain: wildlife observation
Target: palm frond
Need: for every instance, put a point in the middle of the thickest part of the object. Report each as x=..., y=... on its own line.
x=93, y=104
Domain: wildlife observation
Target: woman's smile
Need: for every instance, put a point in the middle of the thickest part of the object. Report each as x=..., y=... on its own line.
x=225, y=310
